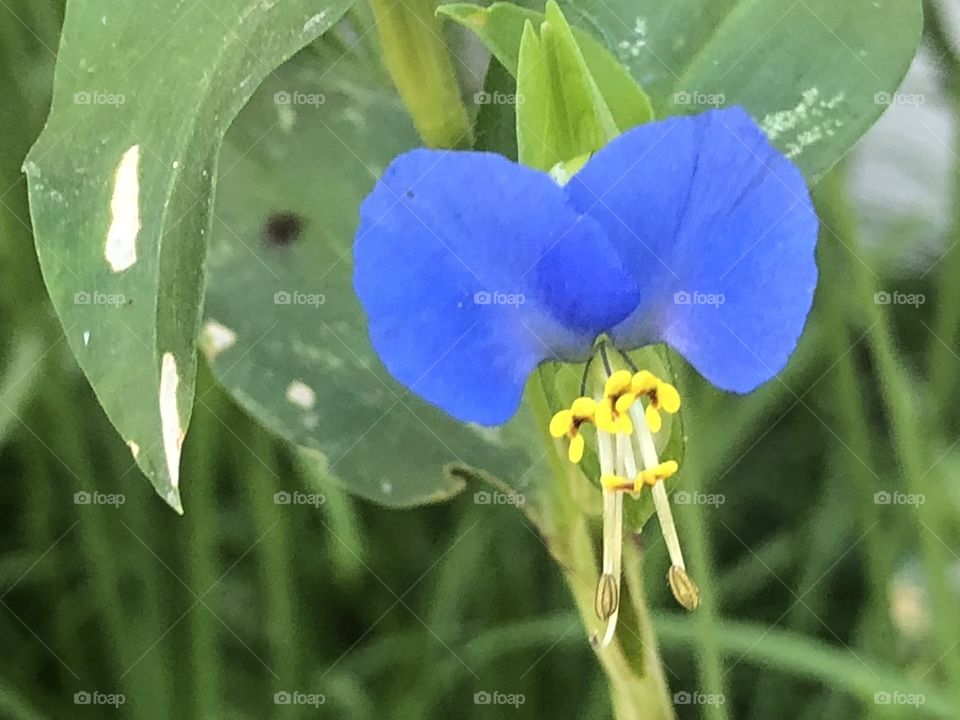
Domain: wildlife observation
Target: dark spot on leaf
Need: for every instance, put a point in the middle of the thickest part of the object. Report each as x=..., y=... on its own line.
x=282, y=229
x=410, y=194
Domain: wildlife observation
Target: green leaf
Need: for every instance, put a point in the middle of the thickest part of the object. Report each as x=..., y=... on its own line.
x=561, y=114
x=500, y=27
x=285, y=333
x=121, y=184
x=816, y=74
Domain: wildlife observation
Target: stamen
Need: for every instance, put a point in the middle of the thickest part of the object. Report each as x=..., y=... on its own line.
x=566, y=423
x=662, y=396
x=607, y=600
x=617, y=416
x=608, y=590
x=617, y=399
x=684, y=589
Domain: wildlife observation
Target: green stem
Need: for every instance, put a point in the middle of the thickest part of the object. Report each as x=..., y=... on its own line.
x=419, y=62
x=638, y=688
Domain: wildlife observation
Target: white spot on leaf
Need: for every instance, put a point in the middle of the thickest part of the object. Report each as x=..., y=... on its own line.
x=170, y=417
x=313, y=23
x=86, y=338
x=301, y=395
x=216, y=338
x=633, y=47
x=134, y=448
x=121, y=247
x=286, y=117
x=804, y=125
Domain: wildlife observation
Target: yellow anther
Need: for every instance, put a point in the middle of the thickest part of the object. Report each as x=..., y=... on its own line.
x=661, y=396
x=644, y=382
x=623, y=424
x=651, y=476
x=617, y=384
x=668, y=398
x=561, y=423
x=652, y=416
x=583, y=408
x=624, y=402
x=615, y=482
x=611, y=413
x=566, y=423
x=609, y=420
x=604, y=416
x=575, y=451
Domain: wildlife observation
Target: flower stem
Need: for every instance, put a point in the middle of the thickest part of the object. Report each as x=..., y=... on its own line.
x=419, y=62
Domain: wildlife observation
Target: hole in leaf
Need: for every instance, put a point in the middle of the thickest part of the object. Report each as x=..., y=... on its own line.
x=282, y=229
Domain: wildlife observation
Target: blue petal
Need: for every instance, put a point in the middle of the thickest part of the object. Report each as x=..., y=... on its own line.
x=472, y=270
x=719, y=232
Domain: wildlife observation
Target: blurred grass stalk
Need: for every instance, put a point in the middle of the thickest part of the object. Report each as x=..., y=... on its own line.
x=899, y=392
x=419, y=61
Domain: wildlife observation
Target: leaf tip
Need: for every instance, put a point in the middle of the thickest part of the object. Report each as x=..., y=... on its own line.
x=173, y=500
x=170, y=430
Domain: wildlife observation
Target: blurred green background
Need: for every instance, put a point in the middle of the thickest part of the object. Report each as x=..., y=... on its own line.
x=822, y=598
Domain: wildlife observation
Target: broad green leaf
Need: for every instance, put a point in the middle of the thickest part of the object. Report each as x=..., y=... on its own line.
x=121, y=188
x=284, y=331
x=500, y=27
x=561, y=113
x=816, y=74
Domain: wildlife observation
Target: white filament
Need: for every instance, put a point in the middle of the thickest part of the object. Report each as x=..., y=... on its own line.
x=648, y=452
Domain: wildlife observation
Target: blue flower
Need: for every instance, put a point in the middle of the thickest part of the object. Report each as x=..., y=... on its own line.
x=691, y=231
